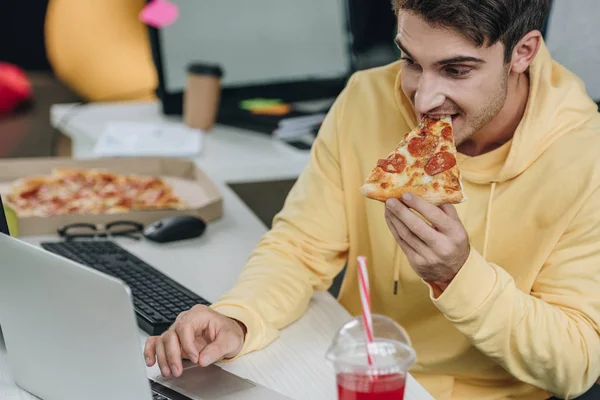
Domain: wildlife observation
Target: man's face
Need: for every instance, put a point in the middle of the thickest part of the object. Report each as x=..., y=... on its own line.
x=443, y=73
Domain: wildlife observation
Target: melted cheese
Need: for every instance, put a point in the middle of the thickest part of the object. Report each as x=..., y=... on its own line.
x=421, y=178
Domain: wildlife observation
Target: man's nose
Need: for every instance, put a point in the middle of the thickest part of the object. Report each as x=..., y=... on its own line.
x=429, y=95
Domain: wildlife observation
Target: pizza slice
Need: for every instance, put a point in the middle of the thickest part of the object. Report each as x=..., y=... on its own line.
x=423, y=163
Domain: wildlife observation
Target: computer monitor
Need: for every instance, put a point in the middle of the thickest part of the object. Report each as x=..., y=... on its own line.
x=3, y=222
x=296, y=50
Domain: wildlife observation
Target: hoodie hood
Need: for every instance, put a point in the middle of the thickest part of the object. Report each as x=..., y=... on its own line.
x=558, y=104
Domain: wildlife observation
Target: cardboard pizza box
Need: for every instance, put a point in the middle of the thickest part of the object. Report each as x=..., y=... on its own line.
x=188, y=181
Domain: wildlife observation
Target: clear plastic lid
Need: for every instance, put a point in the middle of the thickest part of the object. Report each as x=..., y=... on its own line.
x=391, y=350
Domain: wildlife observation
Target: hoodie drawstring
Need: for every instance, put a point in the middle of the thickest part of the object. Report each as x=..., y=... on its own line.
x=396, y=274
x=488, y=220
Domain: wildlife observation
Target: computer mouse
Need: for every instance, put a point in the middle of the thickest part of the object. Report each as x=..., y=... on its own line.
x=175, y=228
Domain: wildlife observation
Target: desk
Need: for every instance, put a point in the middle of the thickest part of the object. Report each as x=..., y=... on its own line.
x=229, y=154
x=294, y=364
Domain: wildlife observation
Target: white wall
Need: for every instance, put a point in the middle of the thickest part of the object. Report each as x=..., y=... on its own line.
x=573, y=38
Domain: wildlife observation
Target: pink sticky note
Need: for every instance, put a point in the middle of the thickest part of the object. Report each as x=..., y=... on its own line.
x=159, y=13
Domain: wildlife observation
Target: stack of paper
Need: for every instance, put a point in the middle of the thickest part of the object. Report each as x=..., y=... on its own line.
x=133, y=139
x=290, y=128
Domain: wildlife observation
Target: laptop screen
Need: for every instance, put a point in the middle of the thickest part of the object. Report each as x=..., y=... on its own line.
x=3, y=223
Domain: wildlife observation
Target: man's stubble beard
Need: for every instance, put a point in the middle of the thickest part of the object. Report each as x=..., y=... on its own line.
x=487, y=113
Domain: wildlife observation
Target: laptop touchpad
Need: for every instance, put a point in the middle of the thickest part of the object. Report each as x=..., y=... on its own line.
x=208, y=383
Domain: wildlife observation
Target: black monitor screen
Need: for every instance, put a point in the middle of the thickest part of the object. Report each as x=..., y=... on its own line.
x=3, y=223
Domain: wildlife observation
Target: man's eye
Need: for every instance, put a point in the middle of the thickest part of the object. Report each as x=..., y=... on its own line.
x=410, y=63
x=458, y=72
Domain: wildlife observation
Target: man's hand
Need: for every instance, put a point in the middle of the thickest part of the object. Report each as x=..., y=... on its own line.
x=200, y=335
x=437, y=251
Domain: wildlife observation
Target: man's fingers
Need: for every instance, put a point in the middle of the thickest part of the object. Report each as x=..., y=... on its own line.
x=450, y=211
x=224, y=344
x=391, y=220
x=161, y=357
x=457, y=231
x=433, y=214
x=149, y=351
x=409, y=251
x=415, y=224
x=187, y=336
x=406, y=234
x=173, y=352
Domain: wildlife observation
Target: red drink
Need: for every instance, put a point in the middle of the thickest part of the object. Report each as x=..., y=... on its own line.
x=361, y=387
x=371, y=370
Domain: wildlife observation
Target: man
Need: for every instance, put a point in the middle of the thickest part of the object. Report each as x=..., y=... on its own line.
x=500, y=294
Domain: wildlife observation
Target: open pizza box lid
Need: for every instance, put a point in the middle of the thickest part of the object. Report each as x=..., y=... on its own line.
x=200, y=194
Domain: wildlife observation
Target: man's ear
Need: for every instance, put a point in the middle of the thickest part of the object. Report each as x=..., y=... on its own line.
x=525, y=51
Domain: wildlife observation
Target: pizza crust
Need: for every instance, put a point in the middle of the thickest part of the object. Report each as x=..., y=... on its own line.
x=375, y=192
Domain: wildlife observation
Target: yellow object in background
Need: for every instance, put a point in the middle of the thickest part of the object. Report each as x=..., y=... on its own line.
x=266, y=106
x=13, y=223
x=280, y=109
x=100, y=49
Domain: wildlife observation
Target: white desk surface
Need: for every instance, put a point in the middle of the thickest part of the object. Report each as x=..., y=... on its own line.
x=229, y=154
x=294, y=364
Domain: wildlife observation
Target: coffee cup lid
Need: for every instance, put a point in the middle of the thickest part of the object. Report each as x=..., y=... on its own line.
x=205, y=69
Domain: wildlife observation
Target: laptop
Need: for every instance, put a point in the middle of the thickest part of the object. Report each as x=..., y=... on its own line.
x=70, y=333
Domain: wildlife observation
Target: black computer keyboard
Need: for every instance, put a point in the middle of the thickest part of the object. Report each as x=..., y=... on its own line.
x=160, y=392
x=157, y=299
x=158, y=396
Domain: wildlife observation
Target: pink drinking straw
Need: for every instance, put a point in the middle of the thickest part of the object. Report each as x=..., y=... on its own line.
x=365, y=299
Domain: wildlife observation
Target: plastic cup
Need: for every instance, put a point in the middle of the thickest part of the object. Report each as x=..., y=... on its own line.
x=392, y=355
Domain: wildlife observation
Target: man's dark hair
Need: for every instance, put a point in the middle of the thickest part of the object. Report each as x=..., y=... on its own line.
x=485, y=22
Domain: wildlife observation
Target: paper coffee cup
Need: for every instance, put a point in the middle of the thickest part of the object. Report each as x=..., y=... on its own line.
x=202, y=95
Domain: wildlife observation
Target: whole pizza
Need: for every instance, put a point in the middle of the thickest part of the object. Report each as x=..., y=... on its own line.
x=89, y=191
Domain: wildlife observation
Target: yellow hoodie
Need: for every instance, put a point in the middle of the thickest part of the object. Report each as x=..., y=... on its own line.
x=524, y=311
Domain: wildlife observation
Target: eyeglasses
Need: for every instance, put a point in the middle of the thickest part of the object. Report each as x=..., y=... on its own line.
x=117, y=228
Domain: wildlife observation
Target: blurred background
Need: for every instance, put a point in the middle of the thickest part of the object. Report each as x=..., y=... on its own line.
x=82, y=50
x=53, y=42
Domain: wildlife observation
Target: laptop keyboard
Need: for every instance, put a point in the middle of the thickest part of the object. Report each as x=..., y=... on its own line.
x=158, y=396
x=157, y=299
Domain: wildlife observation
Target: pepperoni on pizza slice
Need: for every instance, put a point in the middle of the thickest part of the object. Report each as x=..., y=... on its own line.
x=423, y=163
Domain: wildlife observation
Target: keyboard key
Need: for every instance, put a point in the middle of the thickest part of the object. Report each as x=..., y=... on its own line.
x=171, y=316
